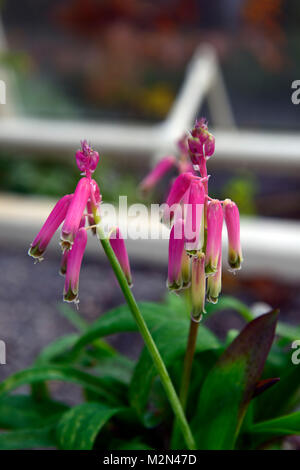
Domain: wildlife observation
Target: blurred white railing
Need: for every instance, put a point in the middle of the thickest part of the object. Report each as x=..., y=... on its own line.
x=270, y=247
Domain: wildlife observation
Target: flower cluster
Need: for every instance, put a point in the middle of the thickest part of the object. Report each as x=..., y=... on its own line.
x=196, y=220
x=77, y=212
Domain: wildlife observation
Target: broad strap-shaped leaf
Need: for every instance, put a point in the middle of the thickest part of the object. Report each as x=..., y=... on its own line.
x=283, y=426
x=267, y=431
x=28, y=438
x=21, y=411
x=79, y=427
x=120, y=320
x=109, y=390
x=56, y=348
x=230, y=385
x=171, y=340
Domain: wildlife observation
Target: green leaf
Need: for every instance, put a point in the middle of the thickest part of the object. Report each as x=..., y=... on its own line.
x=21, y=411
x=230, y=385
x=79, y=427
x=117, y=367
x=171, y=340
x=56, y=348
x=27, y=439
x=227, y=302
x=108, y=390
x=73, y=317
x=120, y=320
x=283, y=426
x=135, y=444
x=263, y=432
x=282, y=398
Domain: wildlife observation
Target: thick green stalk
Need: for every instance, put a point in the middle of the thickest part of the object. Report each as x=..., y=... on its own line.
x=153, y=351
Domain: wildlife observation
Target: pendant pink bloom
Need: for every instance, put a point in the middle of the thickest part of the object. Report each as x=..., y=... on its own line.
x=75, y=212
x=73, y=266
x=118, y=245
x=232, y=219
x=198, y=286
x=178, y=190
x=54, y=220
x=214, y=283
x=176, y=256
x=214, y=235
x=194, y=217
x=157, y=173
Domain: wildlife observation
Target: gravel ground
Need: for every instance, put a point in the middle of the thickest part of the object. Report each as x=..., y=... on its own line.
x=30, y=296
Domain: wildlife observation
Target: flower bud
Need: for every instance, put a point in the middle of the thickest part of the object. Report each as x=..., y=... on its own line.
x=86, y=158
x=214, y=235
x=75, y=256
x=55, y=218
x=198, y=286
x=75, y=212
x=232, y=220
x=118, y=245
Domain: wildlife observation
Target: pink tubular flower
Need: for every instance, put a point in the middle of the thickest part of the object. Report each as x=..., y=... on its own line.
x=73, y=266
x=93, y=204
x=55, y=218
x=75, y=212
x=194, y=217
x=157, y=173
x=185, y=270
x=214, y=283
x=118, y=245
x=178, y=189
x=214, y=235
x=198, y=286
x=86, y=158
x=176, y=252
x=63, y=263
x=232, y=219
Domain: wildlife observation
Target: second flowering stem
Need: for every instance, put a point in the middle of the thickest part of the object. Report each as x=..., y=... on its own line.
x=150, y=344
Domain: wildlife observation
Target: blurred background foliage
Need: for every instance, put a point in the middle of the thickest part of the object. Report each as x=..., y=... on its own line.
x=126, y=61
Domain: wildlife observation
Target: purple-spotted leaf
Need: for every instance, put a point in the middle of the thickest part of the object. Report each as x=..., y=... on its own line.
x=231, y=384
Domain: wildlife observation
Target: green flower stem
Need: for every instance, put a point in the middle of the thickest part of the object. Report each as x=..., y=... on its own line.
x=186, y=377
x=153, y=351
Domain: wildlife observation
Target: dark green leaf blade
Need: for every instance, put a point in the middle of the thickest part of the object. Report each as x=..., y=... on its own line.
x=107, y=390
x=231, y=383
x=27, y=439
x=171, y=340
x=120, y=320
x=78, y=427
x=21, y=411
x=283, y=426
